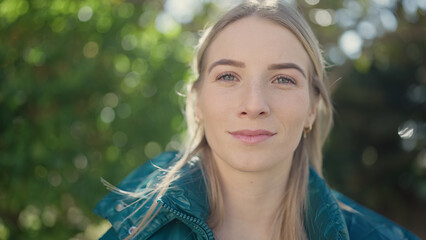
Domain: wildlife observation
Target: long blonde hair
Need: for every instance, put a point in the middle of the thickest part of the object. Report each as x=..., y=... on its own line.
x=289, y=223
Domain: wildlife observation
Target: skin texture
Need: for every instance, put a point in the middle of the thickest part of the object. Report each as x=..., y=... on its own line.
x=255, y=78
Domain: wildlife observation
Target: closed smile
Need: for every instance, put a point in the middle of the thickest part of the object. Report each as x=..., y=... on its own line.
x=252, y=136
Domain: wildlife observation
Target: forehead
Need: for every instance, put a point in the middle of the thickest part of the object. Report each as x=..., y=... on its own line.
x=257, y=40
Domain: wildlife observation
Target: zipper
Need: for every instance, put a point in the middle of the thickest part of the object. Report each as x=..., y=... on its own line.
x=197, y=224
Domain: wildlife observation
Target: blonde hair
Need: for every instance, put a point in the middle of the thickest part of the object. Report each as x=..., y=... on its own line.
x=289, y=223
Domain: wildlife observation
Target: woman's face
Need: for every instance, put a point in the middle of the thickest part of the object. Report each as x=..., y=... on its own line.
x=254, y=98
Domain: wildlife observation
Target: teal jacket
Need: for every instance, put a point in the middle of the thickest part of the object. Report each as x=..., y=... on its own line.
x=185, y=209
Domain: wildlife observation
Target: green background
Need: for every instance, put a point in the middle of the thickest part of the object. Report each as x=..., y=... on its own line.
x=88, y=89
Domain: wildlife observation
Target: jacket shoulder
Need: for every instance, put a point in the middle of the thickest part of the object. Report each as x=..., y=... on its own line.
x=143, y=173
x=365, y=224
x=174, y=230
x=124, y=210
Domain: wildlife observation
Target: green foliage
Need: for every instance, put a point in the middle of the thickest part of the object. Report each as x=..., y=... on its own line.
x=88, y=90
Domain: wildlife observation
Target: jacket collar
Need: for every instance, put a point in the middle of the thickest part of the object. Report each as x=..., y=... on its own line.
x=188, y=195
x=323, y=219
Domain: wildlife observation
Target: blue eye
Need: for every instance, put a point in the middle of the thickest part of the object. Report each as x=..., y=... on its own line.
x=284, y=80
x=228, y=77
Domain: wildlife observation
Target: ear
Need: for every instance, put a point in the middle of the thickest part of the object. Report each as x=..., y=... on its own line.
x=312, y=114
x=197, y=110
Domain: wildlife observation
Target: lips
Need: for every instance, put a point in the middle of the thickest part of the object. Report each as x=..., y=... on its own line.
x=252, y=136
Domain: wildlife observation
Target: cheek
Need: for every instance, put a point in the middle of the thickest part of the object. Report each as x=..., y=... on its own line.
x=217, y=112
x=213, y=105
x=292, y=110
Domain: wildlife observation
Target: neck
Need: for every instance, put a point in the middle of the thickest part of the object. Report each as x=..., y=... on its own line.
x=251, y=200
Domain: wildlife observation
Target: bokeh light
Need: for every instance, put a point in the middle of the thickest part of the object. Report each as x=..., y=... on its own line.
x=322, y=17
x=388, y=20
x=107, y=115
x=179, y=10
x=312, y=2
x=129, y=42
x=110, y=100
x=90, y=49
x=406, y=131
x=164, y=23
x=351, y=44
x=367, y=30
x=80, y=161
x=85, y=14
x=152, y=149
x=386, y=3
x=336, y=56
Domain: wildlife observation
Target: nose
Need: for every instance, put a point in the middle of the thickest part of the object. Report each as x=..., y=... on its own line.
x=253, y=103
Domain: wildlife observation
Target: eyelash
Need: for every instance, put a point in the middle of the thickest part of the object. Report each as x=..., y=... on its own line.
x=288, y=79
x=226, y=74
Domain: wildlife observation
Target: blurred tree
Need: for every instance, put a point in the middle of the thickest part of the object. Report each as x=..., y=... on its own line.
x=88, y=90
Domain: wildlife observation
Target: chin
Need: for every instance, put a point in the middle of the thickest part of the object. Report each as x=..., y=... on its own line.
x=254, y=162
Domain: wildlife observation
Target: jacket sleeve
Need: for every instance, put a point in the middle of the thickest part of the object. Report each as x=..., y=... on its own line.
x=365, y=224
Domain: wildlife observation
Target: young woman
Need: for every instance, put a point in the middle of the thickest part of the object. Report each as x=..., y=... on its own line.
x=258, y=115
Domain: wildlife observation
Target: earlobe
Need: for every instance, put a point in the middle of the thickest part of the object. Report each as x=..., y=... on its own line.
x=194, y=102
x=309, y=121
x=311, y=117
x=197, y=112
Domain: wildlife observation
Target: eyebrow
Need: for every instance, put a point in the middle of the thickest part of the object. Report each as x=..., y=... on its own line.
x=276, y=66
x=227, y=62
x=285, y=66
